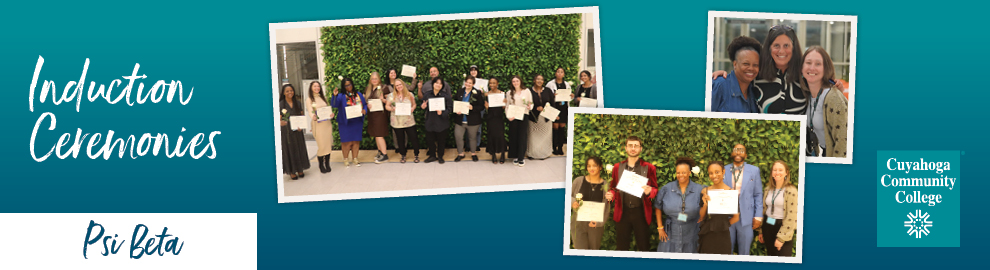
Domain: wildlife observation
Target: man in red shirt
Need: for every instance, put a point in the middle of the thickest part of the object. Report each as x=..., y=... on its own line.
x=638, y=214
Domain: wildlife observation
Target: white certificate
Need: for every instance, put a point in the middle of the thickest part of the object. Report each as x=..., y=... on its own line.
x=437, y=104
x=461, y=107
x=496, y=100
x=299, y=122
x=352, y=111
x=723, y=201
x=550, y=112
x=375, y=105
x=324, y=113
x=408, y=71
x=632, y=183
x=563, y=95
x=591, y=211
x=587, y=102
x=481, y=84
x=515, y=111
x=403, y=108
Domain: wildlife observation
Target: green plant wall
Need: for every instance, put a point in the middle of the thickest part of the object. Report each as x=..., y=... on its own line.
x=501, y=47
x=666, y=138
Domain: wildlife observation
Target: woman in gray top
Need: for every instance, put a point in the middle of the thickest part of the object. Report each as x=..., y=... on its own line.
x=588, y=189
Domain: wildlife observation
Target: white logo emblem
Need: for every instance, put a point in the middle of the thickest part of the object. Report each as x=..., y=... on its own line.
x=918, y=223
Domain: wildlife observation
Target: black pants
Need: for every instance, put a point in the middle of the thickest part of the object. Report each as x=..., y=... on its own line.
x=401, y=134
x=435, y=142
x=559, y=138
x=770, y=239
x=518, y=138
x=633, y=220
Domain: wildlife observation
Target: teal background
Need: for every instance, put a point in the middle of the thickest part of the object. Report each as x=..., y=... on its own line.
x=891, y=214
x=918, y=88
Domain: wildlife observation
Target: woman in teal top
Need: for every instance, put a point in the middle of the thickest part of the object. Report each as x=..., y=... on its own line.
x=680, y=200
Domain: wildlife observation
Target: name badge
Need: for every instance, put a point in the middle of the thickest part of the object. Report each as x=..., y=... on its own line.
x=771, y=221
x=682, y=217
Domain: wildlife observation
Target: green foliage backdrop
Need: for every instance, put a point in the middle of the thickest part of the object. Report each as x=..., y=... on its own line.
x=666, y=138
x=501, y=47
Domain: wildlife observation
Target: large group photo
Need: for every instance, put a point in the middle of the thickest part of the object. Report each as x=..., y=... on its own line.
x=420, y=105
x=797, y=64
x=685, y=185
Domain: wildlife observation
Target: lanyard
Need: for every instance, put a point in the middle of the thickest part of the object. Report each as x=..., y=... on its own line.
x=467, y=97
x=684, y=198
x=773, y=200
x=736, y=176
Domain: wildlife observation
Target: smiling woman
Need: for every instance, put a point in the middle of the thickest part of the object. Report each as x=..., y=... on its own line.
x=733, y=94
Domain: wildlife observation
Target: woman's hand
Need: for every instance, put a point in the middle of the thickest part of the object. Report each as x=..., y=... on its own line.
x=470, y=107
x=592, y=224
x=314, y=117
x=608, y=196
x=647, y=189
x=558, y=118
x=512, y=118
x=760, y=238
x=363, y=111
x=720, y=73
x=420, y=85
x=578, y=99
x=704, y=197
x=424, y=105
x=389, y=107
x=439, y=112
x=734, y=219
x=284, y=123
x=336, y=91
x=575, y=205
x=663, y=234
x=540, y=108
x=778, y=244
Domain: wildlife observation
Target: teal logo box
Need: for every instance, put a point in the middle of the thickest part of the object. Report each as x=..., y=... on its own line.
x=918, y=195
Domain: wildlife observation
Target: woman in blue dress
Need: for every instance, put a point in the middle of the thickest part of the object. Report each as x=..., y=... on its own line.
x=349, y=129
x=680, y=200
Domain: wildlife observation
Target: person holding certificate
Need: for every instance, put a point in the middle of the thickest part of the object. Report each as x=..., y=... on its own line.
x=437, y=119
x=681, y=202
x=295, y=160
x=633, y=211
x=377, y=118
x=587, y=89
x=470, y=122
x=496, y=123
x=480, y=84
x=390, y=84
x=714, y=236
x=540, y=131
x=519, y=127
x=349, y=126
x=736, y=92
x=322, y=128
x=560, y=125
x=403, y=122
x=746, y=179
x=780, y=211
x=586, y=191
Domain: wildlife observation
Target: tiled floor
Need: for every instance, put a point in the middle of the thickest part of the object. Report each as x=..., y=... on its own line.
x=395, y=176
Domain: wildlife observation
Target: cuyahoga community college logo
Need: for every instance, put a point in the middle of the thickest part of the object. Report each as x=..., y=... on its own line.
x=918, y=223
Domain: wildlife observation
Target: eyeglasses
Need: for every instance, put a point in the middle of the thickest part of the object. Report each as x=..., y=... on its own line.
x=781, y=26
x=739, y=150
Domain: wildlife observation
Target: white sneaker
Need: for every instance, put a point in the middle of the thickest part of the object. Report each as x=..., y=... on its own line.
x=347, y=162
x=522, y=163
x=357, y=163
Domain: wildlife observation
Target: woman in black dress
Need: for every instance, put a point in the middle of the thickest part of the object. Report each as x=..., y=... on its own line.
x=496, y=124
x=541, y=129
x=714, y=235
x=294, y=157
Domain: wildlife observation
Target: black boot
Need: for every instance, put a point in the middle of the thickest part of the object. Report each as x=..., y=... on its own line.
x=319, y=159
x=326, y=162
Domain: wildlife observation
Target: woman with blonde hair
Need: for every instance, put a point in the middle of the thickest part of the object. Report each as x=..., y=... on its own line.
x=780, y=204
x=377, y=121
x=403, y=125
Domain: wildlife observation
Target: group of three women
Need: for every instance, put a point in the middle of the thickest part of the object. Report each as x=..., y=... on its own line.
x=530, y=136
x=684, y=205
x=776, y=78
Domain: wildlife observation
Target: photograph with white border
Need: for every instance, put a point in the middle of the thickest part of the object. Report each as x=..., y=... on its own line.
x=752, y=59
x=700, y=184
x=339, y=91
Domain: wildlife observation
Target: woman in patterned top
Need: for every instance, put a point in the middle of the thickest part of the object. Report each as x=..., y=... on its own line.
x=780, y=204
x=778, y=88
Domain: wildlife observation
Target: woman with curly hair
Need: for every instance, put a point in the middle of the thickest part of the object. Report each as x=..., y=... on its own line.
x=680, y=200
x=735, y=93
